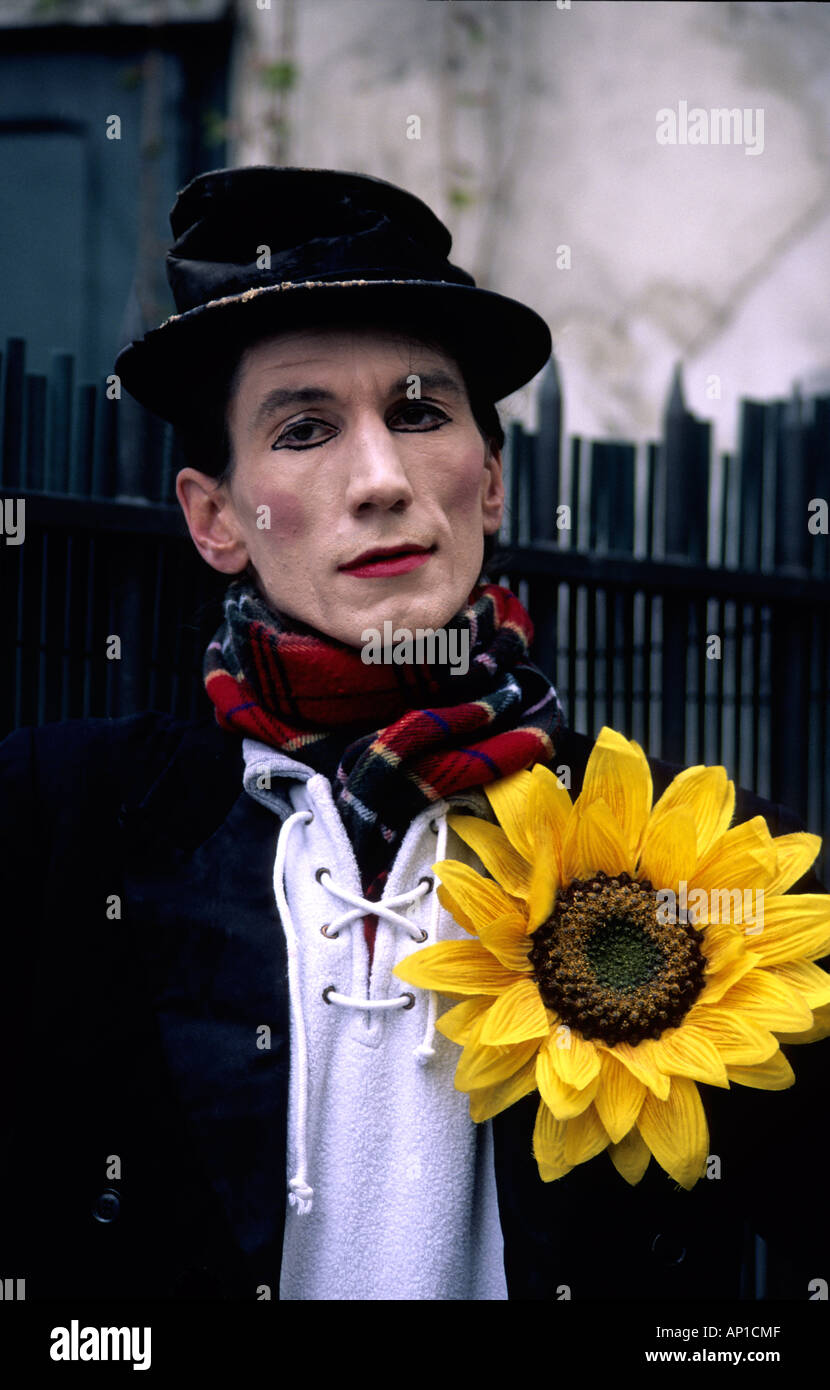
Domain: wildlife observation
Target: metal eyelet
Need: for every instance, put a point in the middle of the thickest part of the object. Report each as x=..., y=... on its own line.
x=406, y=995
x=329, y=935
x=422, y=937
x=430, y=882
x=319, y=873
x=329, y=989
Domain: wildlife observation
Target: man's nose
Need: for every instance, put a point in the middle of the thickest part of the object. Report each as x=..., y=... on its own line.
x=377, y=476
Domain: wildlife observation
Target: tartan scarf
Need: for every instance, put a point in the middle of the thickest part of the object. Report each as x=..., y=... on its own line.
x=391, y=738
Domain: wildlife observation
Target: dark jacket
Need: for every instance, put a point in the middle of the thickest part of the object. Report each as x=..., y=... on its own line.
x=144, y=1139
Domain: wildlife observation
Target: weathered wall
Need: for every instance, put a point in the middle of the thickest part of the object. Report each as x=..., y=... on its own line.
x=538, y=129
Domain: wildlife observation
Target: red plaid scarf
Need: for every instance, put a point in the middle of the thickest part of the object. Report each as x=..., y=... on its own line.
x=391, y=738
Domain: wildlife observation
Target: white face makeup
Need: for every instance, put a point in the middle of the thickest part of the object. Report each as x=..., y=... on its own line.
x=333, y=464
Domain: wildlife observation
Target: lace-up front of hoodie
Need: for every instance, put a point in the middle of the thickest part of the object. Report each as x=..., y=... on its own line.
x=392, y=1186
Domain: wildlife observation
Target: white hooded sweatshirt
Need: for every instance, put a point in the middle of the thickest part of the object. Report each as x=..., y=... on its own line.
x=393, y=1192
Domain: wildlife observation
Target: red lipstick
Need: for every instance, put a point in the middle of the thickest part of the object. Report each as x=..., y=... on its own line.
x=387, y=560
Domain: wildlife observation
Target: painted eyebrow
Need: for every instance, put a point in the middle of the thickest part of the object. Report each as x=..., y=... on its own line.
x=282, y=396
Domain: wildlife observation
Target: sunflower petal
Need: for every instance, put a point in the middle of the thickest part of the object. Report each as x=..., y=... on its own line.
x=495, y=851
x=617, y=772
x=542, y=893
x=795, y=853
x=774, y=1075
x=641, y=1061
x=819, y=1030
x=734, y=907
x=670, y=849
x=549, y=1145
x=517, y=1015
x=631, y=1156
x=487, y=1101
x=619, y=1098
x=563, y=1101
x=574, y=1058
x=508, y=797
x=572, y=866
x=739, y=1040
x=721, y=946
x=742, y=858
x=506, y=939
x=480, y=899
x=718, y=984
x=676, y=1131
x=458, y=1022
x=794, y=925
x=480, y=1065
x=687, y=1051
x=812, y=983
x=769, y=1002
x=586, y=1137
x=452, y=905
x=708, y=794
x=602, y=842
x=549, y=809
x=455, y=968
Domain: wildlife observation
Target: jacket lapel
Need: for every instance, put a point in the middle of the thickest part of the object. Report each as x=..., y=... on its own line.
x=199, y=902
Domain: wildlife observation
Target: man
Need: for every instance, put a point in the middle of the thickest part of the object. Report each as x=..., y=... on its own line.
x=199, y=981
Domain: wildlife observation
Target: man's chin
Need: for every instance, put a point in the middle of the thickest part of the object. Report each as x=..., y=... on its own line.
x=399, y=613
x=396, y=626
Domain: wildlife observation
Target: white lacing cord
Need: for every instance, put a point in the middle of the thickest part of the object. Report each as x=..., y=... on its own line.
x=403, y=1001
x=300, y=1193
x=362, y=906
x=425, y=1050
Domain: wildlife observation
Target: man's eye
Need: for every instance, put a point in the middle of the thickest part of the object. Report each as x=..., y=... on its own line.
x=292, y=436
x=297, y=436
x=419, y=407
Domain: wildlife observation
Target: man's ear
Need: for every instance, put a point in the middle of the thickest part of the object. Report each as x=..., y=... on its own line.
x=492, y=501
x=211, y=520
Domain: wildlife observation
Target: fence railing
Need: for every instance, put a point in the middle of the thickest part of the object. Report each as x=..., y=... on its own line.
x=678, y=594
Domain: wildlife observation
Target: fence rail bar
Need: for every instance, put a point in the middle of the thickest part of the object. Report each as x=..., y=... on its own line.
x=653, y=576
x=101, y=514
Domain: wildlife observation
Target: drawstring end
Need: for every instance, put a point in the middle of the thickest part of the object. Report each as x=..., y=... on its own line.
x=300, y=1196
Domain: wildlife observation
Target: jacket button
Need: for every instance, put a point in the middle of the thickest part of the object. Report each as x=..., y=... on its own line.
x=107, y=1205
x=668, y=1250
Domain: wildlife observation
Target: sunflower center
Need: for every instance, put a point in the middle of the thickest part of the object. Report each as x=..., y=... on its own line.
x=622, y=955
x=610, y=967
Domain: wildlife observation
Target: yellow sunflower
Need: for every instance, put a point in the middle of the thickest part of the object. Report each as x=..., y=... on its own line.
x=622, y=952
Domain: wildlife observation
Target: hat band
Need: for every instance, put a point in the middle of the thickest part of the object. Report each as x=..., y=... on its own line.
x=195, y=283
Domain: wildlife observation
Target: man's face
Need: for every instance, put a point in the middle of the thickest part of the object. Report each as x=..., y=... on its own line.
x=333, y=460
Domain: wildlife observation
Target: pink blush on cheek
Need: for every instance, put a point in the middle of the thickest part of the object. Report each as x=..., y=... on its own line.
x=463, y=484
x=290, y=514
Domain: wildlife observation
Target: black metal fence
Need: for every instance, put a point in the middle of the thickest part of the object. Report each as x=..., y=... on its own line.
x=680, y=595
x=686, y=598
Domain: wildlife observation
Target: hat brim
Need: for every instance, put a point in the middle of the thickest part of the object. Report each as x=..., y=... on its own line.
x=503, y=343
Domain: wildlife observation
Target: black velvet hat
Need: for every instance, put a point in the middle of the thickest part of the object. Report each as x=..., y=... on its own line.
x=262, y=248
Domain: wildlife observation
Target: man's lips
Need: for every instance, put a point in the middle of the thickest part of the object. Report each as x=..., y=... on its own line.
x=387, y=560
